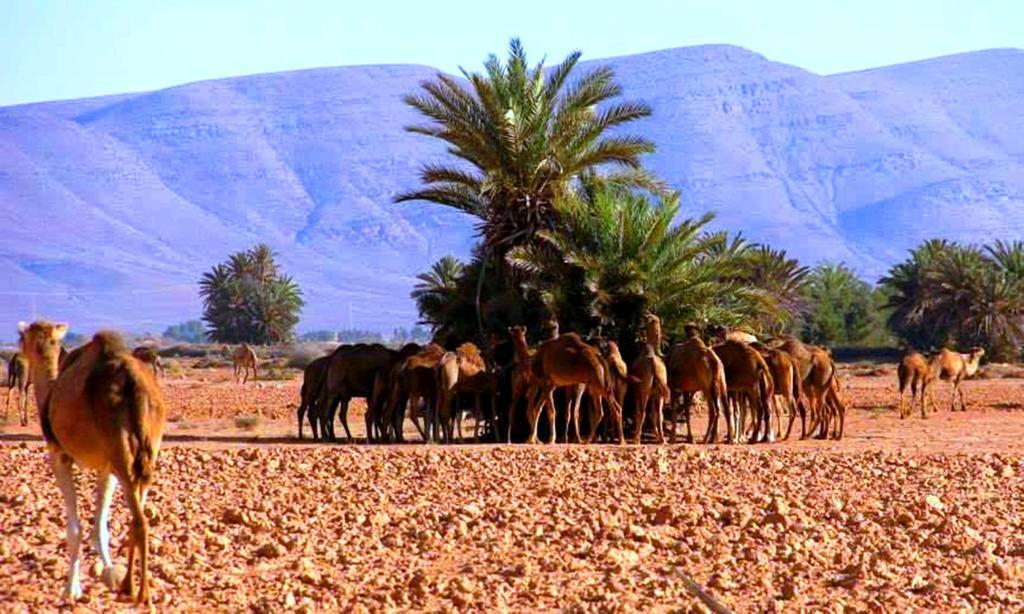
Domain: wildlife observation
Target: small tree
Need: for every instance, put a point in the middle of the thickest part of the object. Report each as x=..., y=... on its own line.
x=192, y=331
x=246, y=300
x=839, y=306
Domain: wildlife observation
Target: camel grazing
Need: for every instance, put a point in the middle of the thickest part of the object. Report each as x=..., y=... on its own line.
x=17, y=381
x=411, y=381
x=103, y=410
x=149, y=355
x=651, y=378
x=693, y=367
x=915, y=371
x=786, y=381
x=463, y=371
x=312, y=380
x=750, y=386
x=954, y=367
x=243, y=359
x=352, y=372
x=568, y=361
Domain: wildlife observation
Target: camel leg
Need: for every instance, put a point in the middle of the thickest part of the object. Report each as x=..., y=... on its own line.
x=574, y=409
x=596, y=416
x=673, y=409
x=963, y=401
x=711, y=432
x=105, y=485
x=658, y=419
x=140, y=540
x=639, y=415
x=533, y=409
x=616, y=412
x=24, y=406
x=551, y=417
x=517, y=392
x=62, y=470
x=343, y=414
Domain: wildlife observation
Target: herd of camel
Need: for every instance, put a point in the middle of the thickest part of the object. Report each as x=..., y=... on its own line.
x=100, y=405
x=743, y=381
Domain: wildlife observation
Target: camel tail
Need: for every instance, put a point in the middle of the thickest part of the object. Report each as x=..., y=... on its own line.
x=140, y=418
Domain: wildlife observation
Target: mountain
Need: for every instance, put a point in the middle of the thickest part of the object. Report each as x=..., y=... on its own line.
x=113, y=207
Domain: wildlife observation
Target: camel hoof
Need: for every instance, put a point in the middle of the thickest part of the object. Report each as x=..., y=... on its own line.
x=73, y=591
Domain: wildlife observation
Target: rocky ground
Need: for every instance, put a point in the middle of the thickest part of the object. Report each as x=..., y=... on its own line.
x=915, y=514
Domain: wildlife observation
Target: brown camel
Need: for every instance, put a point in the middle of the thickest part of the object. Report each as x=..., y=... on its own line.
x=463, y=371
x=651, y=378
x=312, y=381
x=149, y=355
x=821, y=388
x=803, y=361
x=652, y=329
x=351, y=373
x=915, y=371
x=411, y=381
x=786, y=381
x=522, y=373
x=749, y=382
x=568, y=361
x=243, y=359
x=17, y=381
x=103, y=411
x=693, y=367
x=955, y=367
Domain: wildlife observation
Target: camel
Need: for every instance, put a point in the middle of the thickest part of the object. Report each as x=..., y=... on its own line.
x=103, y=410
x=149, y=355
x=651, y=378
x=412, y=380
x=312, y=380
x=463, y=371
x=244, y=358
x=568, y=361
x=352, y=372
x=522, y=373
x=786, y=381
x=652, y=329
x=954, y=367
x=693, y=367
x=17, y=381
x=803, y=361
x=914, y=370
x=821, y=388
x=750, y=386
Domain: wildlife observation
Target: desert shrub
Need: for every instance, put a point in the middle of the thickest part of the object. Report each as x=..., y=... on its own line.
x=248, y=423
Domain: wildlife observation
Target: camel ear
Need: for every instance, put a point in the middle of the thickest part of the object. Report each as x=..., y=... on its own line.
x=22, y=327
x=59, y=330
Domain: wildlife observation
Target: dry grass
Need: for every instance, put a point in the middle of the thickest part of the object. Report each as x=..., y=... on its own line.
x=248, y=423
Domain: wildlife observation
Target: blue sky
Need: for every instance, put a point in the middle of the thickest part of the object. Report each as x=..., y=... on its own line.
x=54, y=49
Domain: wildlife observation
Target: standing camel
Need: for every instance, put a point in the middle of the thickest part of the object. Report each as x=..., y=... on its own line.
x=312, y=379
x=821, y=388
x=463, y=371
x=522, y=373
x=17, y=381
x=411, y=381
x=244, y=358
x=914, y=370
x=568, y=361
x=750, y=386
x=954, y=367
x=693, y=368
x=651, y=387
x=103, y=411
x=786, y=380
x=151, y=357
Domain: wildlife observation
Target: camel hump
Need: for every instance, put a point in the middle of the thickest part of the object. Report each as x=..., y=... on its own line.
x=469, y=353
x=109, y=343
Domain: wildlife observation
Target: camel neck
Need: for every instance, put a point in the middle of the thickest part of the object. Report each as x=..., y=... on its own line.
x=42, y=376
x=522, y=351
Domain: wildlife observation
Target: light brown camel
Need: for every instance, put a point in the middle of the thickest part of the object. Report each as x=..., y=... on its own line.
x=915, y=371
x=955, y=367
x=149, y=355
x=103, y=411
x=750, y=387
x=243, y=359
x=463, y=371
x=821, y=388
x=411, y=381
x=693, y=367
x=568, y=361
x=652, y=331
x=786, y=381
x=312, y=380
x=651, y=378
x=17, y=382
x=803, y=361
x=522, y=373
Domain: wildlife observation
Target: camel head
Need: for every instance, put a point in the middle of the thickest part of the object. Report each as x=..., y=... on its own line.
x=517, y=333
x=551, y=327
x=973, y=360
x=692, y=330
x=40, y=342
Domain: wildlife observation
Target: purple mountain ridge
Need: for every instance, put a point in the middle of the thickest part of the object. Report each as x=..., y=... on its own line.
x=113, y=207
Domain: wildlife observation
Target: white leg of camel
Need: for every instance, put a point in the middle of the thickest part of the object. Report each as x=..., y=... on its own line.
x=66, y=482
x=105, y=485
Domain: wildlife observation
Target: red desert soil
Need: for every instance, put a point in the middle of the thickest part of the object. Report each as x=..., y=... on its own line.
x=900, y=515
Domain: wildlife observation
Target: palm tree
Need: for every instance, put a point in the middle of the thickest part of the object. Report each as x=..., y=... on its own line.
x=909, y=301
x=630, y=257
x=435, y=290
x=839, y=306
x=781, y=278
x=521, y=135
